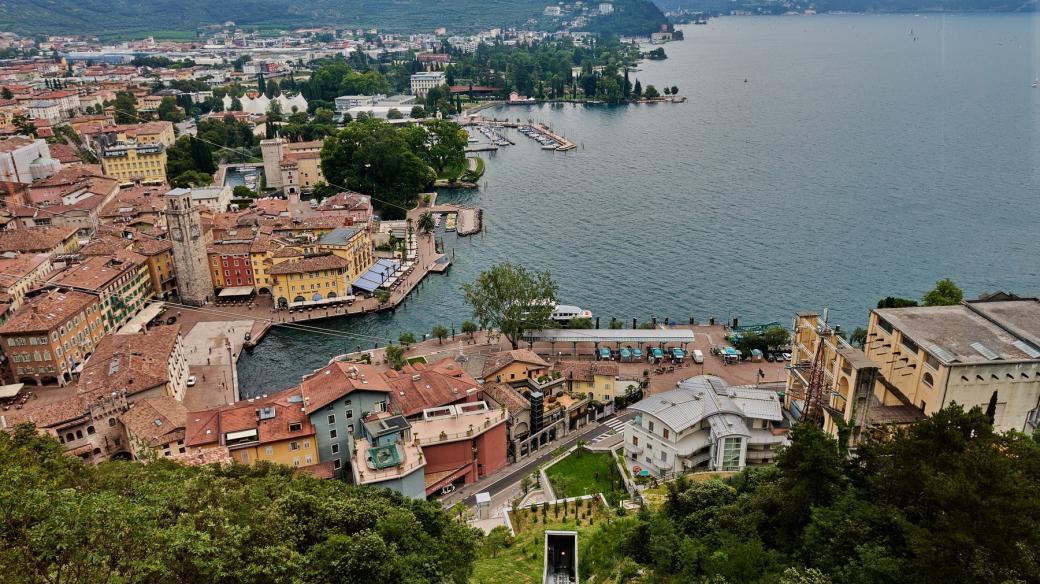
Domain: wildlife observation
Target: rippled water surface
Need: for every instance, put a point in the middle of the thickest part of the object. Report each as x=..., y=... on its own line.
x=853, y=163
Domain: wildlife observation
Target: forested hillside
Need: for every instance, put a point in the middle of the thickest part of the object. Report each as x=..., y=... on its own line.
x=123, y=16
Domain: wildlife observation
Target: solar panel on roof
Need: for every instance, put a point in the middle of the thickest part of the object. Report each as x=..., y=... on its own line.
x=940, y=353
x=985, y=351
x=1027, y=349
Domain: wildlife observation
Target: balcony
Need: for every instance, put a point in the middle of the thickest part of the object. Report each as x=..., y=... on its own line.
x=391, y=462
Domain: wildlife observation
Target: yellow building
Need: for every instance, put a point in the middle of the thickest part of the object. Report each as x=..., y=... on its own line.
x=310, y=280
x=350, y=243
x=515, y=365
x=147, y=133
x=133, y=161
x=596, y=378
x=158, y=254
x=964, y=353
x=273, y=429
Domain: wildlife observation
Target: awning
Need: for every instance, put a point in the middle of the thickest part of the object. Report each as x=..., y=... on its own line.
x=235, y=291
x=251, y=433
x=12, y=390
x=378, y=275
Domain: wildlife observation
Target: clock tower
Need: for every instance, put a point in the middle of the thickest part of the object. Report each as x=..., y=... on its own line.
x=194, y=284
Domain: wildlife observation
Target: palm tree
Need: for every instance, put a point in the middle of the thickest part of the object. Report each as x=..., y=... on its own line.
x=426, y=222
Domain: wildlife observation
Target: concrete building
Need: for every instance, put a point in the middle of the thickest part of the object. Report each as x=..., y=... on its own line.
x=194, y=285
x=155, y=427
x=705, y=425
x=24, y=159
x=292, y=167
x=964, y=353
x=121, y=282
x=514, y=365
x=424, y=81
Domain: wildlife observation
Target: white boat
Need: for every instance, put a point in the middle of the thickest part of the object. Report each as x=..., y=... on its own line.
x=564, y=313
x=1036, y=82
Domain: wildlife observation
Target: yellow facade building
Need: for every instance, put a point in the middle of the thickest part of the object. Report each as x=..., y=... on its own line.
x=135, y=161
x=310, y=280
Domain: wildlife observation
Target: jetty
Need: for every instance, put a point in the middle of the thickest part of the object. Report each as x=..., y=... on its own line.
x=468, y=219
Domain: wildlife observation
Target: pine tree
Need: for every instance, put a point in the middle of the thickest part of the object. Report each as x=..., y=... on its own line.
x=991, y=408
x=261, y=84
x=638, y=90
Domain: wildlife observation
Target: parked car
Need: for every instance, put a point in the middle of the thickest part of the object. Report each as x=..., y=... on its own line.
x=787, y=356
x=171, y=320
x=191, y=381
x=698, y=356
x=770, y=357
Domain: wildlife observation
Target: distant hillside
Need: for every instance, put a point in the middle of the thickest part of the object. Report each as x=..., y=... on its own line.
x=767, y=6
x=103, y=17
x=629, y=18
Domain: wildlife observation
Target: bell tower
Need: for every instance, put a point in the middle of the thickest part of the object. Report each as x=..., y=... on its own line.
x=194, y=285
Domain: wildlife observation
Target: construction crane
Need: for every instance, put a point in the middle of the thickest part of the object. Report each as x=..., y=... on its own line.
x=816, y=393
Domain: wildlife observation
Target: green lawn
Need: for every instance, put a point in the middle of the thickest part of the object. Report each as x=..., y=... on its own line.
x=585, y=472
x=414, y=360
x=522, y=562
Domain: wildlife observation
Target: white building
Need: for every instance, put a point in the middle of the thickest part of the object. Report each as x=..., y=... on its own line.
x=345, y=102
x=23, y=159
x=705, y=425
x=45, y=110
x=216, y=199
x=606, y=8
x=425, y=81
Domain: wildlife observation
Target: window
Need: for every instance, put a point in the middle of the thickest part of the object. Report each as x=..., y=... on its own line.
x=295, y=426
x=306, y=443
x=268, y=450
x=909, y=344
x=111, y=422
x=927, y=379
x=931, y=361
x=332, y=419
x=90, y=430
x=664, y=456
x=333, y=434
x=296, y=462
x=294, y=445
x=309, y=459
x=664, y=433
x=884, y=325
x=650, y=425
x=731, y=453
x=635, y=441
x=335, y=448
x=336, y=464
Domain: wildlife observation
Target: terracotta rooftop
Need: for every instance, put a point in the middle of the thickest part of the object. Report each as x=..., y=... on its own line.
x=14, y=142
x=13, y=269
x=134, y=362
x=35, y=239
x=47, y=415
x=337, y=380
x=585, y=370
x=497, y=361
x=156, y=420
x=96, y=272
x=504, y=394
x=47, y=311
x=282, y=409
x=418, y=387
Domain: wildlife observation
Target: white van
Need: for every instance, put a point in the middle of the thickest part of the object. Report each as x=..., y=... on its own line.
x=698, y=357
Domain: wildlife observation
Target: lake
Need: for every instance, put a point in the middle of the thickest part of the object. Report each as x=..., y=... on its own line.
x=819, y=161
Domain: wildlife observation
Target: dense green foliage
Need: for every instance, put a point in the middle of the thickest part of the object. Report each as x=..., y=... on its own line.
x=509, y=298
x=630, y=18
x=543, y=69
x=65, y=521
x=108, y=17
x=945, y=500
x=392, y=163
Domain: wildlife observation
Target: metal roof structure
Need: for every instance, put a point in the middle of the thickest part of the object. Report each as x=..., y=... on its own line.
x=610, y=336
x=709, y=397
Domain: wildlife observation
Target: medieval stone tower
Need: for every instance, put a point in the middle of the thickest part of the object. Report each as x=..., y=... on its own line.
x=194, y=285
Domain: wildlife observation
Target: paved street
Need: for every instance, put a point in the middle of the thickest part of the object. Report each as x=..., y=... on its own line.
x=505, y=484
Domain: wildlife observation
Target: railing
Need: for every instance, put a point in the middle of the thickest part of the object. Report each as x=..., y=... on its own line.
x=369, y=475
x=489, y=419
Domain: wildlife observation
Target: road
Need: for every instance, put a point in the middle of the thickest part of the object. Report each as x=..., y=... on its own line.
x=526, y=467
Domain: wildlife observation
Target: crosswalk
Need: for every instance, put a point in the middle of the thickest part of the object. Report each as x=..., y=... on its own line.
x=617, y=425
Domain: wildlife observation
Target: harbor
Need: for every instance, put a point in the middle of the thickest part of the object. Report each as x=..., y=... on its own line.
x=544, y=135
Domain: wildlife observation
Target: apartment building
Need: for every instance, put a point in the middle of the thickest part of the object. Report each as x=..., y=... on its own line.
x=51, y=335
x=134, y=162
x=121, y=281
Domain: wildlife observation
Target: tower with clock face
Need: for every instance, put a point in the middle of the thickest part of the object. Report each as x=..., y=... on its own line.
x=194, y=284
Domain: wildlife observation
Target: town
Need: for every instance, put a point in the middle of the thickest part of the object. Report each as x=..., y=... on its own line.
x=166, y=204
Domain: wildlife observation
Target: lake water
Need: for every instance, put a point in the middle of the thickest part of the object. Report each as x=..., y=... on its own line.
x=854, y=162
